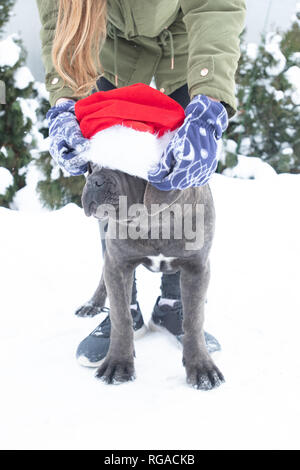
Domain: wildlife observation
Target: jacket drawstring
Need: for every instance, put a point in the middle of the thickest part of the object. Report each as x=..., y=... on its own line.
x=115, y=56
x=163, y=36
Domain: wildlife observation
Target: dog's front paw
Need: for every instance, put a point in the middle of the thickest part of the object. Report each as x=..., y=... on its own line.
x=203, y=375
x=89, y=310
x=114, y=371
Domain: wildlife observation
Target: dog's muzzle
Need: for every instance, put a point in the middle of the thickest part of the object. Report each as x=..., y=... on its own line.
x=97, y=191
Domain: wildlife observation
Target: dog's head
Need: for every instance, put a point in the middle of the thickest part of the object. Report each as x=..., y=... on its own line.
x=105, y=187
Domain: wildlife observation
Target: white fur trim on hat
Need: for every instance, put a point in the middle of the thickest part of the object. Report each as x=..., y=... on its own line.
x=128, y=150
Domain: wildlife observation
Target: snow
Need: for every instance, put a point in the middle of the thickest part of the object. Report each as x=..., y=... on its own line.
x=41, y=89
x=9, y=52
x=293, y=76
x=26, y=199
x=250, y=168
x=4, y=151
x=50, y=264
x=6, y=179
x=296, y=15
x=245, y=145
x=23, y=77
x=29, y=108
x=295, y=57
x=252, y=50
x=288, y=151
x=273, y=41
x=231, y=146
x=55, y=173
x=279, y=94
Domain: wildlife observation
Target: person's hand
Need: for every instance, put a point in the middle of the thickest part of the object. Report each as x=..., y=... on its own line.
x=192, y=155
x=67, y=144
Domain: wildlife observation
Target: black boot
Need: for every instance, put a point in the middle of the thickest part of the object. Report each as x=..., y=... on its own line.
x=170, y=317
x=93, y=349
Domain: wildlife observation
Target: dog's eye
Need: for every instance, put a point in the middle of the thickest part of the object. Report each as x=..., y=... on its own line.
x=90, y=170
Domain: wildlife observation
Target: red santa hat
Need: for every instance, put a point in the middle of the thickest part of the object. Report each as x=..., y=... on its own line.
x=129, y=127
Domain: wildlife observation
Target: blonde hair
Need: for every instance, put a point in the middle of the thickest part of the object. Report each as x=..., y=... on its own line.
x=80, y=32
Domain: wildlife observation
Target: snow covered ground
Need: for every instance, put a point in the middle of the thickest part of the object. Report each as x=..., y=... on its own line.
x=48, y=267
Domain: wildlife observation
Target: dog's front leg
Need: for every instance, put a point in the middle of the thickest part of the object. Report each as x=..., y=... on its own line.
x=118, y=365
x=200, y=368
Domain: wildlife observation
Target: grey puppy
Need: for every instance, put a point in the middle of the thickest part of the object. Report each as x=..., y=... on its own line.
x=122, y=256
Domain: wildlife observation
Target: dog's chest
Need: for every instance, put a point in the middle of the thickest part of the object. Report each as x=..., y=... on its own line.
x=160, y=263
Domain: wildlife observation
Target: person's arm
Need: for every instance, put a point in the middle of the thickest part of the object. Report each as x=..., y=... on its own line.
x=213, y=28
x=48, y=11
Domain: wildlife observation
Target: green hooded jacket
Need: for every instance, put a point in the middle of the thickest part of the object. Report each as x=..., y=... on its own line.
x=175, y=41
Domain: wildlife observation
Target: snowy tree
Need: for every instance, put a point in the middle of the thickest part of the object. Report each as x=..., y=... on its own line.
x=267, y=123
x=18, y=115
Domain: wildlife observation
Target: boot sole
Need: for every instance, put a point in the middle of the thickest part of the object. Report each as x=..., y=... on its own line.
x=84, y=361
x=161, y=329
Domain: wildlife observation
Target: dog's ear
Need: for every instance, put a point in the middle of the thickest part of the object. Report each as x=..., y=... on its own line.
x=163, y=199
x=92, y=167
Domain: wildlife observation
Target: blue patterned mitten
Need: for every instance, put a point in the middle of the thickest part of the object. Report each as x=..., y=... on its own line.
x=67, y=144
x=192, y=155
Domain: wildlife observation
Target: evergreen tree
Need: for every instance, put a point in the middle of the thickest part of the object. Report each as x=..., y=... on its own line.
x=16, y=140
x=267, y=123
x=5, y=11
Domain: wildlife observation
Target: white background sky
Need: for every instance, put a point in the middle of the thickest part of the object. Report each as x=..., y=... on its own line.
x=26, y=21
